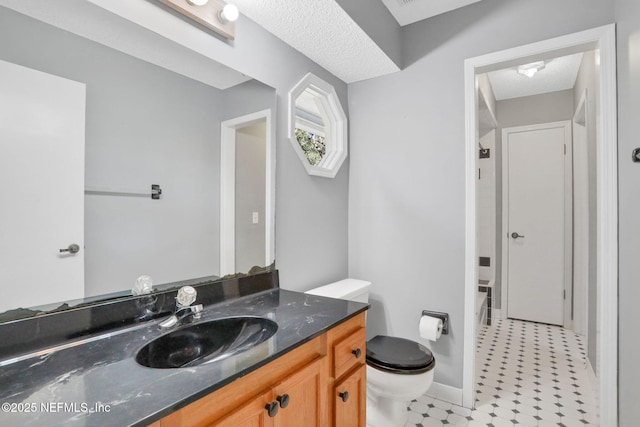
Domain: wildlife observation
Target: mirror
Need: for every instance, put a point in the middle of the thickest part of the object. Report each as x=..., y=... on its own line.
x=317, y=126
x=85, y=131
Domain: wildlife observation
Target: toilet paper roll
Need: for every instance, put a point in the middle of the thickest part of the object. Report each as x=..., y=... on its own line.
x=430, y=327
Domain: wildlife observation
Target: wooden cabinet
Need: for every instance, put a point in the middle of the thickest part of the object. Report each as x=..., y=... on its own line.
x=349, y=390
x=349, y=352
x=350, y=399
x=305, y=387
x=303, y=394
x=294, y=402
x=252, y=414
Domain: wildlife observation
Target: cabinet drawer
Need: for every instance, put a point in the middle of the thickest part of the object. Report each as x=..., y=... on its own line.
x=349, y=352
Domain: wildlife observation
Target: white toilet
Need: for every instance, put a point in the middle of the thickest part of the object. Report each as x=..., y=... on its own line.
x=398, y=370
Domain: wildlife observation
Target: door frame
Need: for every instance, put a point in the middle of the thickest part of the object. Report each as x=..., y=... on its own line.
x=228, y=130
x=581, y=291
x=568, y=216
x=602, y=38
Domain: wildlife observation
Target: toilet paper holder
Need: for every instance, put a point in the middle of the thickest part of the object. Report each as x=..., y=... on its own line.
x=442, y=316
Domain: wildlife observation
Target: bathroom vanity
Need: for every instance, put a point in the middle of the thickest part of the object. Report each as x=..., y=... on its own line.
x=311, y=369
x=321, y=382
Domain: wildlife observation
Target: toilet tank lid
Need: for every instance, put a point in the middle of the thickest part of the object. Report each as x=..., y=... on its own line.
x=344, y=289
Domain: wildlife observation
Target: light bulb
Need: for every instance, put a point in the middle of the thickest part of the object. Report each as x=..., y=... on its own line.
x=229, y=13
x=198, y=2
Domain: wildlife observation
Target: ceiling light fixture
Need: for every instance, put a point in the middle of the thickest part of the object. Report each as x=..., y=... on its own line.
x=213, y=14
x=531, y=69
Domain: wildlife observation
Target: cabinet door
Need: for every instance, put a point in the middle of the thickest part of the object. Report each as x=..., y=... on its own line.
x=252, y=414
x=301, y=398
x=350, y=400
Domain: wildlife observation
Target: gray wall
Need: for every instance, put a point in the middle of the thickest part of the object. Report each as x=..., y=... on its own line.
x=247, y=98
x=529, y=110
x=628, y=18
x=587, y=80
x=251, y=153
x=406, y=195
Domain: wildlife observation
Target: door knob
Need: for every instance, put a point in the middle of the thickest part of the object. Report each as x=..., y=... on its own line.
x=516, y=235
x=72, y=248
x=344, y=396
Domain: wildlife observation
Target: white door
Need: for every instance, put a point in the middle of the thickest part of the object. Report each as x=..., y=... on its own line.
x=537, y=177
x=42, y=187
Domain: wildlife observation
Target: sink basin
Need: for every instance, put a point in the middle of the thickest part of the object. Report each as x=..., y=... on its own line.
x=205, y=342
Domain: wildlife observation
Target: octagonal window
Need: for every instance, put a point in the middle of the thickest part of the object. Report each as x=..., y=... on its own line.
x=317, y=126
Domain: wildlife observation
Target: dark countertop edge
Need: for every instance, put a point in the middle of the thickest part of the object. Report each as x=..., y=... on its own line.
x=219, y=385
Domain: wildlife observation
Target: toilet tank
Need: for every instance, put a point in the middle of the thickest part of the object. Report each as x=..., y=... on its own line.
x=349, y=289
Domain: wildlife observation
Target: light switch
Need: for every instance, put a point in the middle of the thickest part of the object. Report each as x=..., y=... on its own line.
x=256, y=218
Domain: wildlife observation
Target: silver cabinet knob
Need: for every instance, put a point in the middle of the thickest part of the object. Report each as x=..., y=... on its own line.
x=73, y=249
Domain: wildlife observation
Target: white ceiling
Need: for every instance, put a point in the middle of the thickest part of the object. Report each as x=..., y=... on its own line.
x=558, y=74
x=409, y=11
x=324, y=32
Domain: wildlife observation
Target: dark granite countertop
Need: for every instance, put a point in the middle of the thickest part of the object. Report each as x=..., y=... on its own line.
x=97, y=382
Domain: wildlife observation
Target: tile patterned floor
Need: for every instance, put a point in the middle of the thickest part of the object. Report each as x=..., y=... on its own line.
x=528, y=374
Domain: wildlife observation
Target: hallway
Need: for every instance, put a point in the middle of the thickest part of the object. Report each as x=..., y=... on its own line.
x=527, y=374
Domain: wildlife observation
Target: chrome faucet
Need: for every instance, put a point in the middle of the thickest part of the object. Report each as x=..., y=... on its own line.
x=186, y=296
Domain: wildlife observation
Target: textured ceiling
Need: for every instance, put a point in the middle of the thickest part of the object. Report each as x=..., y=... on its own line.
x=324, y=32
x=409, y=11
x=558, y=74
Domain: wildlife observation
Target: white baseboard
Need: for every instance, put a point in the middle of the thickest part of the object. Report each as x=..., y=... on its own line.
x=496, y=313
x=593, y=382
x=446, y=393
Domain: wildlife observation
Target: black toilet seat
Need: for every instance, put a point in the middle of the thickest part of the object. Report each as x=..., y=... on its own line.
x=399, y=355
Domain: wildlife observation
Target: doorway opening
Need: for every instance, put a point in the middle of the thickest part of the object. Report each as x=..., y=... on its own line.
x=246, y=193
x=602, y=41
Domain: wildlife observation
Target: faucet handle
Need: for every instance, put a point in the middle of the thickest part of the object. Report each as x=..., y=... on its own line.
x=143, y=285
x=186, y=296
